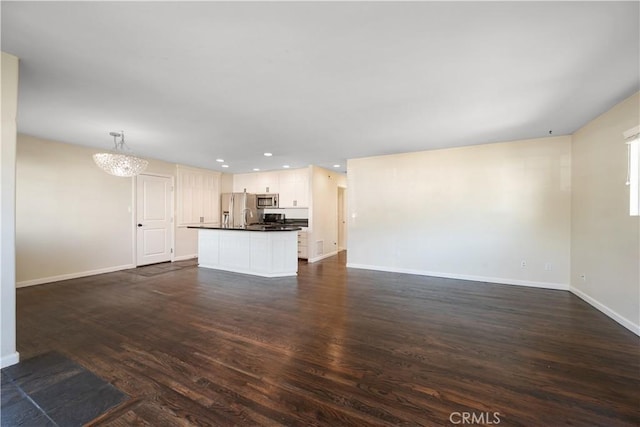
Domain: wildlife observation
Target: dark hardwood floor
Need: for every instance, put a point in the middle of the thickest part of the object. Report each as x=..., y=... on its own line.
x=335, y=346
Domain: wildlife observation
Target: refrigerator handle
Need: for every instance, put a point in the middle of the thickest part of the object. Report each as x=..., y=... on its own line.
x=244, y=209
x=231, y=219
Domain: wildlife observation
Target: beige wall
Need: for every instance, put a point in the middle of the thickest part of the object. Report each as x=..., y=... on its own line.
x=605, y=240
x=323, y=212
x=72, y=218
x=474, y=212
x=8, y=353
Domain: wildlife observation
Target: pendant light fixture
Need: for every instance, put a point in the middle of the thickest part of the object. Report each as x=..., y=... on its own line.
x=117, y=162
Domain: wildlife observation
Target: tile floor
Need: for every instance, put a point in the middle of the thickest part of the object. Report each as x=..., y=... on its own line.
x=52, y=390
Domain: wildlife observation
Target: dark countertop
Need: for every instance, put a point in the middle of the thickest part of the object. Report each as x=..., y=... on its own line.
x=249, y=228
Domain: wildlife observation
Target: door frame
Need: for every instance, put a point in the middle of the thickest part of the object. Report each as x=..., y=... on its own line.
x=134, y=216
x=342, y=215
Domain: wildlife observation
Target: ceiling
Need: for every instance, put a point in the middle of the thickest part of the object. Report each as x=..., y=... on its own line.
x=315, y=82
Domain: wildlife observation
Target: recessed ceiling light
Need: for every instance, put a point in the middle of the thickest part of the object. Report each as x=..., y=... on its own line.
x=220, y=160
x=256, y=169
x=268, y=154
x=286, y=166
x=225, y=166
x=336, y=166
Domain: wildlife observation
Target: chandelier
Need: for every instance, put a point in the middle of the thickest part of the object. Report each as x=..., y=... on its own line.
x=117, y=162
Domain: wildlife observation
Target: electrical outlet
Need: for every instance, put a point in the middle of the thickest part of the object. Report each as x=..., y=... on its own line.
x=523, y=264
x=548, y=267
x=583, y=276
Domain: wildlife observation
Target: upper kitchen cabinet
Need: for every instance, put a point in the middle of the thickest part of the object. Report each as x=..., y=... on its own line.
x=198, y=196
x=257, y=183
x=294, y=188
x=292, y=185
x=267, y=182
x=244, y=182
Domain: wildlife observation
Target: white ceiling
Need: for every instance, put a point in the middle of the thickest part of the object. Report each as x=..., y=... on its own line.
x=315, y=82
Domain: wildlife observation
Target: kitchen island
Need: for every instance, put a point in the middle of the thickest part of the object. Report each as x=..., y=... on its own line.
x=261, y=250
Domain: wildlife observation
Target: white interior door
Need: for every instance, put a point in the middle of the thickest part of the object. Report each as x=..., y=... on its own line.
x=154, y=219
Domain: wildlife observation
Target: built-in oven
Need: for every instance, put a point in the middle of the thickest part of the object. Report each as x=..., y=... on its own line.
x=265, y=201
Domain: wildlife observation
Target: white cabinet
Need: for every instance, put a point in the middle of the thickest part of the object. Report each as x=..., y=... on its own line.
x=244, y=182
x=302, y=187
x=303, y=247
x=267, y=182
x=292, y=185
x=257, y=183
x=286, y=189
x=211, y=197
x=294, y=188
x=261, y=253
x=198, y=196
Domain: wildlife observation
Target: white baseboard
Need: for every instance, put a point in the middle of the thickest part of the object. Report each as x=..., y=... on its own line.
x=9, y=359
x=184, y=257
x=606, y=310
x=50, y=279
x=497, y=280
x=321, y=257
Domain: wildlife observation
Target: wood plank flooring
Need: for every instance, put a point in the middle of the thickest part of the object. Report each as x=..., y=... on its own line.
x=336, y=346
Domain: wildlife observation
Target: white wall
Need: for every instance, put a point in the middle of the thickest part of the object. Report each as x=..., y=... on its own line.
x=323, y=213
x=605, y=240
x=474, y=212
x=72, y=218
x=8, y=353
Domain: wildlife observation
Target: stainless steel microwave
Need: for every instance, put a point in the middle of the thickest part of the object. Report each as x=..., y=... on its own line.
x=267, y=200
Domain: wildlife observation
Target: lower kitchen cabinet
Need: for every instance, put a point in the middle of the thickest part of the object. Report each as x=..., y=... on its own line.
x=261, y=253
x=303, y=248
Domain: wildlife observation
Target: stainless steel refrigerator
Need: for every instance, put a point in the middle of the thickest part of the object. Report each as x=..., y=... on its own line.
x=238, y=210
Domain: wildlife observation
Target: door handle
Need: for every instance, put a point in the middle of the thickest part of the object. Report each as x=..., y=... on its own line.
x=139, y=225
